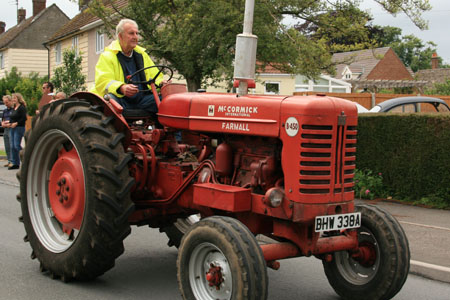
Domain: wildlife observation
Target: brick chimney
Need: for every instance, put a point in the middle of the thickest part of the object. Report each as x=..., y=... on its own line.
x=21, y=15
x=2, y=27
x=38, y=6
x=434, y=61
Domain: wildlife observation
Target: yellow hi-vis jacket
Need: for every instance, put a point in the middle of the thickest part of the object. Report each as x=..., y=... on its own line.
x=109, y=74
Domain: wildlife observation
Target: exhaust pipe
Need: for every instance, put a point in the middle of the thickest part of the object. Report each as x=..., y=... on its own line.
x=245, y=56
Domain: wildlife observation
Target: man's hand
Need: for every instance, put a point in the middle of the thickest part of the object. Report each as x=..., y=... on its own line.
x=129, y=90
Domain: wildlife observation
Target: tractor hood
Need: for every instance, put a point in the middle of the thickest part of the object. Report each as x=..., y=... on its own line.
x=261, y=115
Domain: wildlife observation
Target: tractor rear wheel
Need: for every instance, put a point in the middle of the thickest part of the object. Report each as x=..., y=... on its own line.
x=219, y=258
x=74, y=186
x=380, y=268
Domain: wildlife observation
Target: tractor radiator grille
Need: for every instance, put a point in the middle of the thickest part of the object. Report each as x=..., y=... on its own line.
x=327, y=159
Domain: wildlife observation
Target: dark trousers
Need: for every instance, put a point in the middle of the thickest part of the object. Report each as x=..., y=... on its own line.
x=7, y=144
x=146, y=102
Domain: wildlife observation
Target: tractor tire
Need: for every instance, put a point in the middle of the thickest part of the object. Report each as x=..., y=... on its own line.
x=75, y=190
x=176, y=231
x=383, y=270
x=219, y=258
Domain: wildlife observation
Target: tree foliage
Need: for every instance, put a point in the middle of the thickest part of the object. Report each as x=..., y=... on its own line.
x=30, y=87
x=440, y=88
x=197, y=38
x=68, y=77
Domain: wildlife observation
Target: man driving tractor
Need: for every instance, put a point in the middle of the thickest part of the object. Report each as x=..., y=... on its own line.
x=116, y=66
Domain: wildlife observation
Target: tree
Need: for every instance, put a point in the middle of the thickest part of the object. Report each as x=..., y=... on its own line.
x=31, y=89
x=197, y=38
x=414, y=53
x=9, y=82
x=68, y=78
x=440, y=88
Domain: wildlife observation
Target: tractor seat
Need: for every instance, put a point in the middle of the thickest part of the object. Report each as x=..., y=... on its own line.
x=137, y=114
x=142, y=117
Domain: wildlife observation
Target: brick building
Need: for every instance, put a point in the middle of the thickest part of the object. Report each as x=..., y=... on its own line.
x=435, y=74
x=21, y=45
x=373, y=68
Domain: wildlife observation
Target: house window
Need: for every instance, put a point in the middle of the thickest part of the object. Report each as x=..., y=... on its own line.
x=99, y=42
x=348, y=76
x=2, y=61
x=58, y=53
x=272, y=88
x=75, y=45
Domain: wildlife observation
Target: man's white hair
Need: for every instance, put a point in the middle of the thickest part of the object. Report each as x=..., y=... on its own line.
x=119, y=27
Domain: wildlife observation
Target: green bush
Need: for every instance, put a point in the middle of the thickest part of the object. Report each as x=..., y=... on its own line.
x=410, y=150
x=30, y=87
x=369, y=185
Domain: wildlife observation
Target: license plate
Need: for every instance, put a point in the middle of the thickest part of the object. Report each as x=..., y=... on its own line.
x=337, y=222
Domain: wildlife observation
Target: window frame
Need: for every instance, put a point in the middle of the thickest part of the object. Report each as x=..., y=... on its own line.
x=75, y=45
x=58, y=53
x=99, y=39
x=272, y=82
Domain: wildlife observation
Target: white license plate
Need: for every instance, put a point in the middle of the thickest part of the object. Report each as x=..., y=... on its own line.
x=337, y=222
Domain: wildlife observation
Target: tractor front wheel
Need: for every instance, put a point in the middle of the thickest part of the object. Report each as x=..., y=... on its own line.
x=380, y=267
x=74, y=186
x=219, y=258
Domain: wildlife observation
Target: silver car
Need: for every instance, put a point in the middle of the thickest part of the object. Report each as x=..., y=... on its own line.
x=411, y=105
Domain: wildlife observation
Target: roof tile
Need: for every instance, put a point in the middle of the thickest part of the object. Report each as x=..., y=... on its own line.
x=362, y=61
x=82, y=19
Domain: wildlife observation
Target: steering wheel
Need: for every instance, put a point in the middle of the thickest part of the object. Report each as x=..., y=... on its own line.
x=151, y=80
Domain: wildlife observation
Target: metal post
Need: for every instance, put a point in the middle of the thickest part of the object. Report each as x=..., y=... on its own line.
x=248, y=16
x=373, y=100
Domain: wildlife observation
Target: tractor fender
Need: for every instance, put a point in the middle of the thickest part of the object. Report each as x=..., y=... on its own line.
x=109, y=109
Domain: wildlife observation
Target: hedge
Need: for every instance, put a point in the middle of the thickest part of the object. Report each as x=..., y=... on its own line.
x=412, y=151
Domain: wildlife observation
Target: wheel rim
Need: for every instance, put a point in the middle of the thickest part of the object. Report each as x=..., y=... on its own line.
x=56, y=190
x=360, y=272
x=209, y=273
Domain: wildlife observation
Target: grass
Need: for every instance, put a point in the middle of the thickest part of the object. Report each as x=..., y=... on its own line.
x=2, y=153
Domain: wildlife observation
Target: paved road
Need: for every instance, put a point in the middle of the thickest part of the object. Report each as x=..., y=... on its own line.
x=147, y=270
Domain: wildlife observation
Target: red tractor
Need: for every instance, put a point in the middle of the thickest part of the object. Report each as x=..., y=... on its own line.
x=212, y=171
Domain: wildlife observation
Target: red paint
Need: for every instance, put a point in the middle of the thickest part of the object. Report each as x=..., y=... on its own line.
x=214, y=276
x=66, y=190
x=279, y=251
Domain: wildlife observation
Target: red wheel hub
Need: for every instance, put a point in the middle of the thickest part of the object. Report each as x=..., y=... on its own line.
x=366, y=254
x=214, y=276
x=66, y=190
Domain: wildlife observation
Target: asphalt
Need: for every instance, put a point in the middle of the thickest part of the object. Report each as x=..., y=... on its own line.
x=428, y=231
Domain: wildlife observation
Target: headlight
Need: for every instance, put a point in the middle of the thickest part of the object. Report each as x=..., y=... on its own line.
x=274, y=197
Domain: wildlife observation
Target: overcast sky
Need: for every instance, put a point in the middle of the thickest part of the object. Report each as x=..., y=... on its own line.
x=438, y=24
x=438, y=19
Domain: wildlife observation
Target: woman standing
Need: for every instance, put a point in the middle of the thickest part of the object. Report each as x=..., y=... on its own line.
x=17, y=128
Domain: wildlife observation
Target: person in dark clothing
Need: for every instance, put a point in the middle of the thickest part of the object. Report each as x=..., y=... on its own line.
x=5, y=124
x=17, y=121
